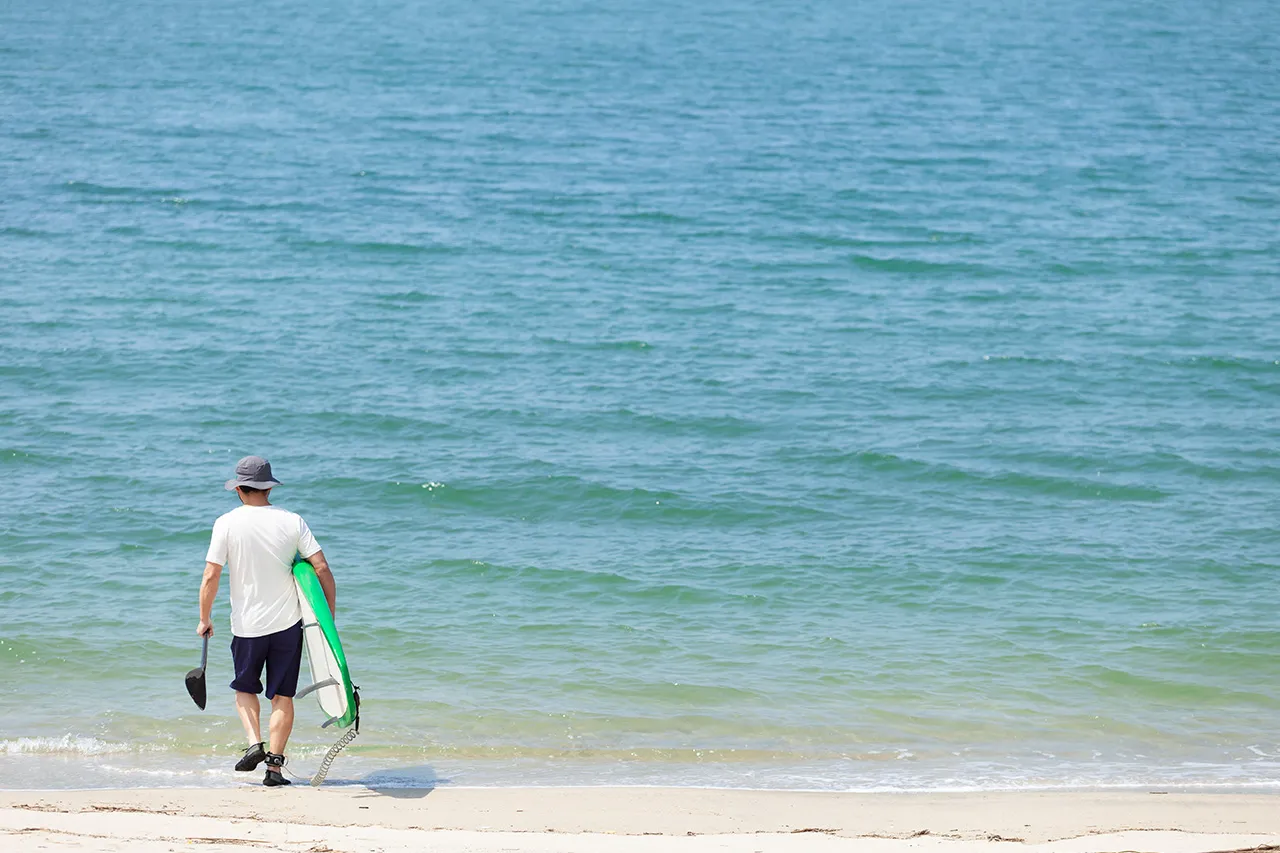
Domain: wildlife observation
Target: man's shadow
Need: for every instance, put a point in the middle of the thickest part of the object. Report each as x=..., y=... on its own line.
x=403, y=783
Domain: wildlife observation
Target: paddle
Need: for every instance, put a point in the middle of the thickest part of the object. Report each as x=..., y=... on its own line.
x=195, y=678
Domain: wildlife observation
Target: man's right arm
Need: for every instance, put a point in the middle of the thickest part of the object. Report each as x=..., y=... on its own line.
x=321, y=565
x=208, y=591
x=213, y=563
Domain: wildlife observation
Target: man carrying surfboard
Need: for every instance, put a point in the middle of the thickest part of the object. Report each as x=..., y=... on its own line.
x=257, y=542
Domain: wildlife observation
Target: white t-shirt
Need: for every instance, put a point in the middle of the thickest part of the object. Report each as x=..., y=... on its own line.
x=257, y=544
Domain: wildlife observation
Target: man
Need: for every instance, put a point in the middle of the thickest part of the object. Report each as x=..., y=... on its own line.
x=258, y=542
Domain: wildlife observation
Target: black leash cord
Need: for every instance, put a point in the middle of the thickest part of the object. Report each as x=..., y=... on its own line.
x=343, y=742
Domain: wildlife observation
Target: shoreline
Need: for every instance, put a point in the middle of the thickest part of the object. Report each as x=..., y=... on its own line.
x=350, y=818
x=74, y=762
x=1225, y=789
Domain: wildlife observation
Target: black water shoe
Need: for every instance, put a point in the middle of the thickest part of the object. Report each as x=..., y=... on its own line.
x=253, y=756
x=274, y=778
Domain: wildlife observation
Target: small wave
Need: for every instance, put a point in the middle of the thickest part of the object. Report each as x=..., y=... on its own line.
x=568, y=496
x=1078, y=488
x=1028, y=359
x=926, y=162
x=699, y=424
x=1228, y=363
x=602, y=345
x=14, y=456
x=916, y=266
x=90, y=188
x=374, y=247
x=183, y=245
x=658, y=216
x=1078, y=268
x=559, y=579
x=370, y=423
x=66, y=745
x=146, y=772
x=407, y=297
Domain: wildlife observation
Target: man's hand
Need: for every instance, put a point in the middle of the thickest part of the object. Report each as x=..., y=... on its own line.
x=204, y=629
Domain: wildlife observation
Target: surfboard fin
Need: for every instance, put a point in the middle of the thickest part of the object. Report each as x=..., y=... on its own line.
x=328, y=682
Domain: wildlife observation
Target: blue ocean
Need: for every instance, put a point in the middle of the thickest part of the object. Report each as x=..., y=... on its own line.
x=815, y=395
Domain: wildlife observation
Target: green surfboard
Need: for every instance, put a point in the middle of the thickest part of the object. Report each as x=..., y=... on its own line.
x=330, y=679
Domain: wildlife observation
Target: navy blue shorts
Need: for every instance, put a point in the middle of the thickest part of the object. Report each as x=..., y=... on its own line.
x=281, y=652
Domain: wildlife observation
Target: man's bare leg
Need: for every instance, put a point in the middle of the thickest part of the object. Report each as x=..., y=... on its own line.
x=249, y=710
x=281, y=723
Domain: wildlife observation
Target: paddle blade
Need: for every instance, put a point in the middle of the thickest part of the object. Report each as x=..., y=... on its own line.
x=195, y=686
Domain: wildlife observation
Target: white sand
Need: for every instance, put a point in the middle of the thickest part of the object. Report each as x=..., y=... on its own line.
x=630, y=820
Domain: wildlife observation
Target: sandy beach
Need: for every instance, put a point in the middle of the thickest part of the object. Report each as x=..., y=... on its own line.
x=635, y=820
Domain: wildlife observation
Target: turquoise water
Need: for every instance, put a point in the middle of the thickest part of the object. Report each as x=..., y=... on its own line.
x=806, y=395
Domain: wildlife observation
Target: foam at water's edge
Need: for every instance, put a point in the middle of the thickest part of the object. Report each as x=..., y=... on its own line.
x=66, y=745
x=72, y=762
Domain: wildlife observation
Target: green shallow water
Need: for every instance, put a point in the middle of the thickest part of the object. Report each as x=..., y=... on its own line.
x=808, y=396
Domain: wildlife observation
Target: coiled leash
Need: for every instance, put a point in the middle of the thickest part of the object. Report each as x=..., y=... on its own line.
x=342, y=743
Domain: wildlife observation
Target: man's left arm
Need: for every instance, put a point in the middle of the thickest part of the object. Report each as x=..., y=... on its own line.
x=309, y=548
x=325, y=576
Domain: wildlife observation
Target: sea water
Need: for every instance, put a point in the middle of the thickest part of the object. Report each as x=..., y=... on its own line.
x=815, y=395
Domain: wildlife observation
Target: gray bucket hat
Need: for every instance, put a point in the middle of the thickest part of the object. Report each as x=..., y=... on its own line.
x=254, y=472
